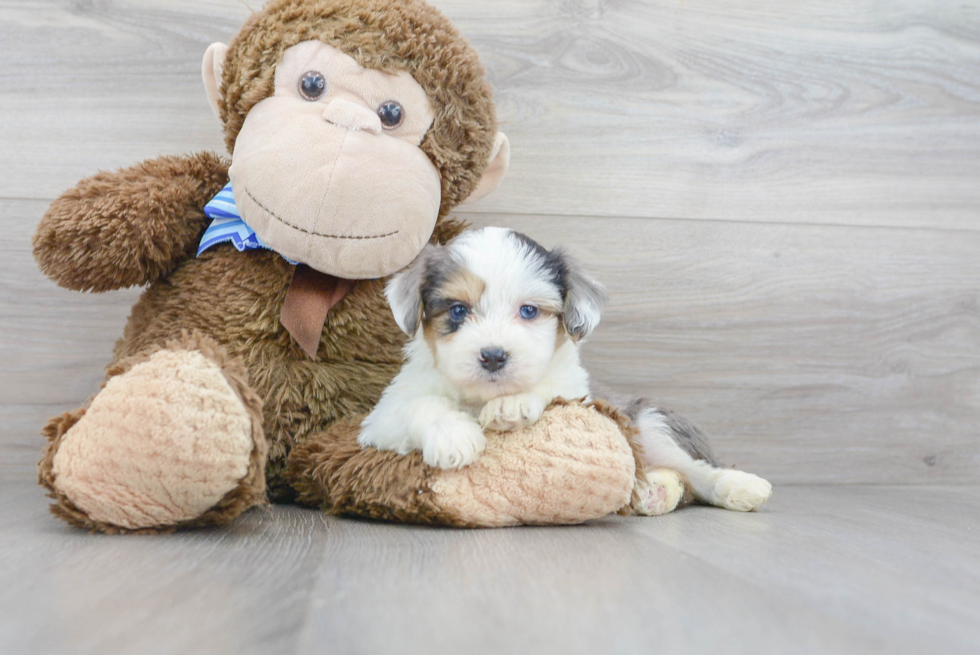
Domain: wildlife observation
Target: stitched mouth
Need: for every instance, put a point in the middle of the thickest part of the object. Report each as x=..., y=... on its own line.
x=352, y=128
x=311, y=232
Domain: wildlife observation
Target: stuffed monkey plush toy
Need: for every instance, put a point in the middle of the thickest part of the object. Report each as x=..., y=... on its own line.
x=263, y=335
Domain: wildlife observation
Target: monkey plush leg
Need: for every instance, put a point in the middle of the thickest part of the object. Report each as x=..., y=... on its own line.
x=573, y=465
x=173, y=439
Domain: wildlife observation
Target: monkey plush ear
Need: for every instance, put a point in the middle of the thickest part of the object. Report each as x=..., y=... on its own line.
x=211, y=69
x=404, y=291
x=496, y=169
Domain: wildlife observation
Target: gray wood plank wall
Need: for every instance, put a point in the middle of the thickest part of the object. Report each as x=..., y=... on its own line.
x=782, y=197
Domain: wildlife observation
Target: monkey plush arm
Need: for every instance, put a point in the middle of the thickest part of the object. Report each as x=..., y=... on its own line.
x=128, y=228
x=579, y=462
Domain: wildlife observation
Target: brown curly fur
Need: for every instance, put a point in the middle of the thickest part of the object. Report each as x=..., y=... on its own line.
x=234, y=297
x=332, y=473
x=131, y=227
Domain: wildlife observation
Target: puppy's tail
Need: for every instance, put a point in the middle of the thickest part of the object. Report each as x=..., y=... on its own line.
x=670, y=441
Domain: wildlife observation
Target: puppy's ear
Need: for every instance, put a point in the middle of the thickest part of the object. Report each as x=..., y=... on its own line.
x=584, y=301
x=404, y=291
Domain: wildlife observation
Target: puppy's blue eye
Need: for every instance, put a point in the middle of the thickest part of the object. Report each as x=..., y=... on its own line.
x=458, y=312
x=528, y=312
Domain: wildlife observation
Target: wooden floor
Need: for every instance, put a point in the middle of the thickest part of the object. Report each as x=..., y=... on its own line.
x=822, y=569
x=784, y=200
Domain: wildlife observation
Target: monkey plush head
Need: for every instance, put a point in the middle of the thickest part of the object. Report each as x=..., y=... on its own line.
x=354, y=125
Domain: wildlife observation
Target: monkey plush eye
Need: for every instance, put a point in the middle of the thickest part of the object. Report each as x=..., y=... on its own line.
x=528, y=312
x=458, y=312
x=391, y=114
x=312, y=85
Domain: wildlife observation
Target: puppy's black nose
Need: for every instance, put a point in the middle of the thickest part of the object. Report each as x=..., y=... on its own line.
x=493, y=359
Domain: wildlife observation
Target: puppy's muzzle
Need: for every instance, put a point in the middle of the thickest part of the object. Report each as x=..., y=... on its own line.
x=493, y=359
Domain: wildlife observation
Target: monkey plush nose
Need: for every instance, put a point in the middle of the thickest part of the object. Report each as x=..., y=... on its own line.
x=344, y=113
x=493, y=359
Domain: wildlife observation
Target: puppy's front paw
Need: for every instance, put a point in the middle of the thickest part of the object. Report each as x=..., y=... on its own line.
x=452, y=441
x=511, y=412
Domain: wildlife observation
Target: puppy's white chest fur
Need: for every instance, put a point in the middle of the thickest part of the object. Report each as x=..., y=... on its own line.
x=422, y=410
x=495, y=320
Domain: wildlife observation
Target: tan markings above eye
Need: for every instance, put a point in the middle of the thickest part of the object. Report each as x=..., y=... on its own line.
x=464, y=286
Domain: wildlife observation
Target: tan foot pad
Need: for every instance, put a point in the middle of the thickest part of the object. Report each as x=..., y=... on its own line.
x=161, y=443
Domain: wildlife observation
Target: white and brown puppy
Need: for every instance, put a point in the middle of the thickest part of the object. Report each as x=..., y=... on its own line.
x=496, y=322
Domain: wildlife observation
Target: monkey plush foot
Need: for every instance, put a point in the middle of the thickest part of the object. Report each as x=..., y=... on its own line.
x=173, y=439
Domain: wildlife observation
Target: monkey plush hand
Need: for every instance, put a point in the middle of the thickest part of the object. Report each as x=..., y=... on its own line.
x=263, y=335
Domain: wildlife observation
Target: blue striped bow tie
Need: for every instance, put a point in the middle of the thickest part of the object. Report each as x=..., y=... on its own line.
x=227, y=225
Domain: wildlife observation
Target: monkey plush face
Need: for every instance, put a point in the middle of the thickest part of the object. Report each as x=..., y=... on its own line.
x=354, y=127
x=328, y=170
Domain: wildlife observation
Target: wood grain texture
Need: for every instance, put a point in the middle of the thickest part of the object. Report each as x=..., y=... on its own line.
x=836, y=112
x=820, y=570
x=243, y=589
x=813, y=353
x=54, y=343
x=809, y=353
x=98, y=85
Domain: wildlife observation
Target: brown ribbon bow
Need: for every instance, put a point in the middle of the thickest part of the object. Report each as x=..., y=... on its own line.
x=310, y=297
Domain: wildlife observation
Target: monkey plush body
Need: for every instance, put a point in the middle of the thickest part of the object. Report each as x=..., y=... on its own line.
x=355, y=127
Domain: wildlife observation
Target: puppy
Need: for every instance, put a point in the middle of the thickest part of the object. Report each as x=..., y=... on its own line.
x=496, y=323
